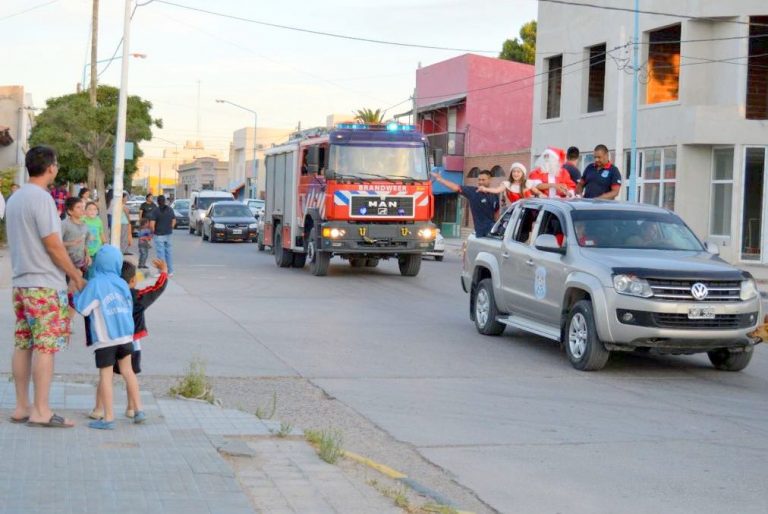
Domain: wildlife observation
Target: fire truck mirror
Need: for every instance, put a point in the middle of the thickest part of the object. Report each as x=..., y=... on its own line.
x=438, y=157
x=313, y=159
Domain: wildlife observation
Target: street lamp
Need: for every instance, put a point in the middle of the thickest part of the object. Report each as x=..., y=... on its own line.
x=86, y=65
x=255, y=125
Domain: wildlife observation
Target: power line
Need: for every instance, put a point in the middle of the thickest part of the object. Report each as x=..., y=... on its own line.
x=19, y=13
x=120, y=43
x=654, y=13
x=323, y=33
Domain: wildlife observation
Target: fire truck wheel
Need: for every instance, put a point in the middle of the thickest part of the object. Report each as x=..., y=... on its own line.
x=409, y=264
x=283, y=257
x=299, y=259
x=371, y=263
x=318, y=261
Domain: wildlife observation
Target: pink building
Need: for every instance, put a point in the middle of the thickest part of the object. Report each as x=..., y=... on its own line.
x=477, y=112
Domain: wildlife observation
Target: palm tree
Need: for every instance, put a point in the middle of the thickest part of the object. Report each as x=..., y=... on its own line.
x=369, y=116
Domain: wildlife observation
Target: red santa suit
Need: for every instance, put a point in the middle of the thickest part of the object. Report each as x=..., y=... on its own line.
x=550, y=171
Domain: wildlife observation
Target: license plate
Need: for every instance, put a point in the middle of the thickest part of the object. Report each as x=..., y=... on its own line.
x=701, y=313
x=236, y=231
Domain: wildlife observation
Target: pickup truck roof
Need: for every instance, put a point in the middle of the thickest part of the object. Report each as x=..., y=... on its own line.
x=577, y=204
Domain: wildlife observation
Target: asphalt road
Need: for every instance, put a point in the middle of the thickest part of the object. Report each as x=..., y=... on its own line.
x=507, y=416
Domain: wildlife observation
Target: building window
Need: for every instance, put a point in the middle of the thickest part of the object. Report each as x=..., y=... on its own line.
x=474, y=172
x=757, y=69
x=657, y=177
x=497, y=171
x=596, y=86
x=554, y=85
x=722, y=192
x=663, y=65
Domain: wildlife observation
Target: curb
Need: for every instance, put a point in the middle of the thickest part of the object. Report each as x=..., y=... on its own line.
x=404, y=479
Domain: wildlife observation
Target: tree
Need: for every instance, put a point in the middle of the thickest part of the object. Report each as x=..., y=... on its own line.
x=369, y=116
x=84, y=135
x=524, y=49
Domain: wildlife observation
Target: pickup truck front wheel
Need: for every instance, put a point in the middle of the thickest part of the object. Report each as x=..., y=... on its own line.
x=584, y=349
x=485, y=309
x=726, y=360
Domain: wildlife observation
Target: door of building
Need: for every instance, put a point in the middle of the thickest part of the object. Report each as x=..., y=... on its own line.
x=754, y=208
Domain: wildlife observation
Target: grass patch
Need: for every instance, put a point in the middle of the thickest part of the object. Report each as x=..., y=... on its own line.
x=267, y=413
x=328, y=443
x=194, y=384
x=285, y=429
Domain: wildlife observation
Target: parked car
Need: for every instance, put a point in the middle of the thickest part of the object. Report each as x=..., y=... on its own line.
x=181, y=211
x=438, y=252
x=200, y=202
x=229, y=221
x=256, y=206
x=134, y=214
x=604, y=276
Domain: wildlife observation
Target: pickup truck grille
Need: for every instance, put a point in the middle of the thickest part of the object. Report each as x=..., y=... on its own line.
x=721, y=321
x=680, y=290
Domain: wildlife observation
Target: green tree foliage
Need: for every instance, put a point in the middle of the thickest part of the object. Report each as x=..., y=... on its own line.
x=84, y=135
x=369, y=116
x=523, y=49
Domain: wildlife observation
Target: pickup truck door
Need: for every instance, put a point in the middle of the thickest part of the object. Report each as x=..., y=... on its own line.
x=549, y=270
x=516, y=264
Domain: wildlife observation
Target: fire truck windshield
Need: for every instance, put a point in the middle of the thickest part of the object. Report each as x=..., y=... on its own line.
x=387, y=161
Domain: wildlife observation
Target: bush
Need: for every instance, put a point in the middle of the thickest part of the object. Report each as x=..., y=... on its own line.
x=194, y=384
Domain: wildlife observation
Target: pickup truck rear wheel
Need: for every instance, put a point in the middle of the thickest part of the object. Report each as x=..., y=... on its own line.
x=726, y=360
x=485, y=309
x=585, y=351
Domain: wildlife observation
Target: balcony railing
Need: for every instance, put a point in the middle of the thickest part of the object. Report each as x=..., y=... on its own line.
x=451, y=143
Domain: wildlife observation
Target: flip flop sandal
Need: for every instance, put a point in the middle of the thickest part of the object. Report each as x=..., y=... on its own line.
x=56, y=421
x=102, y=425
x=95, y=415
x=18, y=420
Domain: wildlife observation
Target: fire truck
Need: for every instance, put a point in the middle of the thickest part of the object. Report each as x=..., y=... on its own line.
x=358, y=191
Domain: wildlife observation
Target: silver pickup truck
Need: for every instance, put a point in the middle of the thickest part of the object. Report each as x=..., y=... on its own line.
x=602, y=276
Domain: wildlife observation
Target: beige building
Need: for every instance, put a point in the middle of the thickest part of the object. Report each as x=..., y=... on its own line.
x=160, y=174
x=16, y=118
x=245, y=179
x=202, y=173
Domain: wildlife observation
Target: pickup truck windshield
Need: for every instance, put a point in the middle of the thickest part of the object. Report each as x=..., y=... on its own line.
x=633, y=230
x=389, y=161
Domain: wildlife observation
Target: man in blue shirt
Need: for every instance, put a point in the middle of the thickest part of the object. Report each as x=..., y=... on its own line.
x=484, y=206
x=601, y=179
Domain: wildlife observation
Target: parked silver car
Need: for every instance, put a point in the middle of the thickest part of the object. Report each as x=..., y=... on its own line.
x=602, y=276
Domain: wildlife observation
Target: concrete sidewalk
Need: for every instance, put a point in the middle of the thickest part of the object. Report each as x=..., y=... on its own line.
x=189, y=457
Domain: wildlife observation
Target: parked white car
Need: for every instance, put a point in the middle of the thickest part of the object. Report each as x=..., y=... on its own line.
x=439, y=252
x=201, y=200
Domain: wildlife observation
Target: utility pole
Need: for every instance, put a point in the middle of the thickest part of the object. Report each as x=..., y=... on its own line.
x=635, y=94
x=92, y=91
x=122, y=111
x=619, y=156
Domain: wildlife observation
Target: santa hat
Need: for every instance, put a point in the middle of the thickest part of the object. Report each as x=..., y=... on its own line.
x=560, y=152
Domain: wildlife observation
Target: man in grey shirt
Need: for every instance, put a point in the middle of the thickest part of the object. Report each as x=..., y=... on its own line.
x=39, y=262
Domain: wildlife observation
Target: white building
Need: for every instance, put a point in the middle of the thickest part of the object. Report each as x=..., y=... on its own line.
x=245, y=178
x=703, y=107
x=16, y=119
x=202, y=173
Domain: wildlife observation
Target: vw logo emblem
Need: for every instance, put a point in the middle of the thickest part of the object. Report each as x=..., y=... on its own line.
x=699, y=291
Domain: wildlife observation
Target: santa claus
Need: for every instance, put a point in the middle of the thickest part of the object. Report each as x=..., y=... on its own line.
x=550, y=177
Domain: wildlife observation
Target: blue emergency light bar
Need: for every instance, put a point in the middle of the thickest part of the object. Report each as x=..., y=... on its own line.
x=392, y=127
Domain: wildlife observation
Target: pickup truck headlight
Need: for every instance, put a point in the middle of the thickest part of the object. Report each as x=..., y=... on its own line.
x=632, y=286
x=748, y=289
x=253, y=226
x=219, y=226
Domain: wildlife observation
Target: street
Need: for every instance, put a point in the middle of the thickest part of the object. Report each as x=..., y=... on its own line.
x=507, y=416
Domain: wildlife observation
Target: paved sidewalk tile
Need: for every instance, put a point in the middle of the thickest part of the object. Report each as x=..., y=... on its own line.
x=174, y=463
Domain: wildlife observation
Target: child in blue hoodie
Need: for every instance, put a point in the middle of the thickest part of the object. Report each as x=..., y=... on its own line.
x=107, y=301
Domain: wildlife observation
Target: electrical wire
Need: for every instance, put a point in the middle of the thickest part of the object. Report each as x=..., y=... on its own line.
x=120, y=43
x=34, y=7
x=323, y=33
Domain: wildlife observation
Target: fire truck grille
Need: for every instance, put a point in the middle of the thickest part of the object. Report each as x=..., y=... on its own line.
x=387, y=206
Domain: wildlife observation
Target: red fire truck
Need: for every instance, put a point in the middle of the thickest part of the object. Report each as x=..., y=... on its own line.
x=358, y=191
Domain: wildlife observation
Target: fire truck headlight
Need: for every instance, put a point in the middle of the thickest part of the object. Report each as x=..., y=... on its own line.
x=427, y=233
x=337, y=233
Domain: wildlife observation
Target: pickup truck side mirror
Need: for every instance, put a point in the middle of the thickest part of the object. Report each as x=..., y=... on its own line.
x=712, y=248
x=548, y=243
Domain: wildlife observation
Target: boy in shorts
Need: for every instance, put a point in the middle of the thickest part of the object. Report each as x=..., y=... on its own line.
x=106, y=299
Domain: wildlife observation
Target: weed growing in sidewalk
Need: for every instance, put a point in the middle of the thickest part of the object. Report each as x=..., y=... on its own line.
x=262, y=413
x=285, y=429
x=194, y=384
x=328, y=443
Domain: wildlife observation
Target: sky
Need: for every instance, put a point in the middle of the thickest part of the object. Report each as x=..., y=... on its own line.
x=286, y=76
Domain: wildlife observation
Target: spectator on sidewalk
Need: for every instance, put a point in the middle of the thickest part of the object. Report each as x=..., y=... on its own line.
x=106, y=300
x=60, y=195
x=484, y=206
x=14, y=188
x=75, y=234
x=572, y=164
x=84, y=194
x=95, y=227
x=126, y=231
x=145, y=243
x=601, y=179
x=142, y=299
x=162, y=223
x=147, y=208
x=40, y=263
